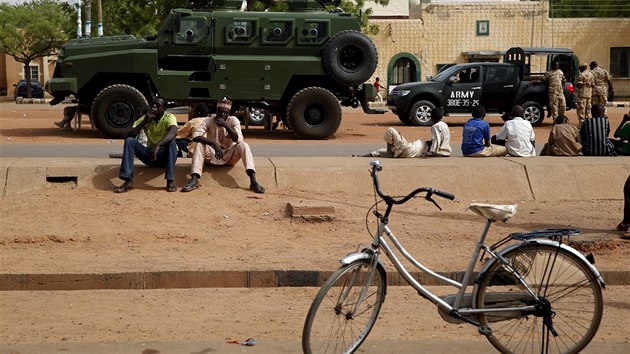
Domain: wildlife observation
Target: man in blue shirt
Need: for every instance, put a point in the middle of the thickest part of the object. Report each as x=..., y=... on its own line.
x=476, y=137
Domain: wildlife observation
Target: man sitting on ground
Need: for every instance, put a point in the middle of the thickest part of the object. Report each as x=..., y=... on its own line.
x=185, y=133
x=518, y=134
x=594, y=133
x=622, y=144
x=564, y=139
x=440, y=143
x=220, y=142
x=476, y=136
x=160, y=128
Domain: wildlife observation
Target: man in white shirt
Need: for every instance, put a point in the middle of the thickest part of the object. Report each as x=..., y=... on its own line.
x=518, y=134
x=440, y=143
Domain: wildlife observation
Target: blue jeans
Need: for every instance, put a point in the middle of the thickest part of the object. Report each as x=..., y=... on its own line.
x=166, y=157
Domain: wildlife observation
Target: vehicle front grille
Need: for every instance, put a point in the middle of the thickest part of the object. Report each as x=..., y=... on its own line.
x=394, y=92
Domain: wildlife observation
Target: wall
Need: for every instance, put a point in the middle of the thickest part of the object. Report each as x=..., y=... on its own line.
x=440, y=33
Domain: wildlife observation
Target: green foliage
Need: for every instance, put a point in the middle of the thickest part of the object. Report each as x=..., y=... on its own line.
x=32, y=30
x=357, y=8
x=589, y=8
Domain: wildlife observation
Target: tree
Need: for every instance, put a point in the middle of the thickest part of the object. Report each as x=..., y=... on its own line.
x=30, y=31
x=589, y=8
x=357, y=8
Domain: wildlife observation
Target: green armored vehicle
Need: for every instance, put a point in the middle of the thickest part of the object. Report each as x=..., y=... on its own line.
x=301, y=66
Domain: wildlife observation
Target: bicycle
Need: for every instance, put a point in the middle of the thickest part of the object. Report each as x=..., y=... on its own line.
x=536, y=294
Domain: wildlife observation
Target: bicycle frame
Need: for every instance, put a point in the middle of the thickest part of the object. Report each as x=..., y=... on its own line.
x=385, y=234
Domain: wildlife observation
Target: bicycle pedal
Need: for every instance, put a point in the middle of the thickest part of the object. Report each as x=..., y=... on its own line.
x=485, y=330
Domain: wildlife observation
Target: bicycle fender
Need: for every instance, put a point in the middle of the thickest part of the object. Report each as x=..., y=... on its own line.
x=355, y=256
x=570, y=249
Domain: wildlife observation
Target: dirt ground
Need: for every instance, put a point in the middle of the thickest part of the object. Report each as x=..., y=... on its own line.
x=64, y=229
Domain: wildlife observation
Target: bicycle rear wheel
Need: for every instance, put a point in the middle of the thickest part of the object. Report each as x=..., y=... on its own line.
x=338, y=321
x=562, y=281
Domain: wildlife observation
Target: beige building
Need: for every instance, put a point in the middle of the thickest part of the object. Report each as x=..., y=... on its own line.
x=416, y=43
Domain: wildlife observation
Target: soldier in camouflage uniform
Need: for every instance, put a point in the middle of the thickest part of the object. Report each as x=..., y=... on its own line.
x=602, y=82
x=585, y=82
x=555, y=79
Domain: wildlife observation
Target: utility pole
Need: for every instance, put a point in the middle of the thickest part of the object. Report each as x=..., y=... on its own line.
x=88, y=18
x=79, y=25
x=99, y=15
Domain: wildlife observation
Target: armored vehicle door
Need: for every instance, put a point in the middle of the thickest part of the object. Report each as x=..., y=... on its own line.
x=500, y=83
x=185, y=63
x=462, y=91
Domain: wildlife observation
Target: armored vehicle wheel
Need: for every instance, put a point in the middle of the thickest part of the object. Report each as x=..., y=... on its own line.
x=421, y=113
x=314, y=113
x=534, y=113
x=350, y=58
x=113, y=110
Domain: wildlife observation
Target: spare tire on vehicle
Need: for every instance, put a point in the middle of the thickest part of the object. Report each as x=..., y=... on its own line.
x=350, y=58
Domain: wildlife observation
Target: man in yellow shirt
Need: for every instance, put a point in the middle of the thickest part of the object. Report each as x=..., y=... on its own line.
x=160, y=128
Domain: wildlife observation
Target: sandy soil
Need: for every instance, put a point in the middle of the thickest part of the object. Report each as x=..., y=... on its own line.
x=65, y=229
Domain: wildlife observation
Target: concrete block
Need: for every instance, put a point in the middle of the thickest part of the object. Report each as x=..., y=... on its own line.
x=24, y=176
x=309, y=208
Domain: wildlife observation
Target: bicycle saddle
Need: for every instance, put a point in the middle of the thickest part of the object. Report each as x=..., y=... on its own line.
x=494, y=212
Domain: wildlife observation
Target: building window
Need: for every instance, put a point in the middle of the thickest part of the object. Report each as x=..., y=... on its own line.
x=620, y=62
x=34, y=72
x=483, y=28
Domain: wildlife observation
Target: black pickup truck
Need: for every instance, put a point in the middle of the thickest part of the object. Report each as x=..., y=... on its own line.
x=497, y=86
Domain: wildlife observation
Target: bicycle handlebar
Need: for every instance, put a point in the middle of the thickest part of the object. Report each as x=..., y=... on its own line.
x=376, y=167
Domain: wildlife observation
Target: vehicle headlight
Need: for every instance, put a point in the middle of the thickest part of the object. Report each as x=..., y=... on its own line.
x=404, y=92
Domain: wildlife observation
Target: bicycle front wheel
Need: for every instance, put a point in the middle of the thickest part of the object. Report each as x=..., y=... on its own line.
x=571, y=301
x=345, y=309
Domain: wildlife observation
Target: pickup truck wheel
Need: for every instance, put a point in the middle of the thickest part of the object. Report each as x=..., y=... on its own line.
x=114, y=109
x=314, y=113
x=256, y=116
x=421, y=113
x=350, y=58
x=404, y=118
x=534, y=113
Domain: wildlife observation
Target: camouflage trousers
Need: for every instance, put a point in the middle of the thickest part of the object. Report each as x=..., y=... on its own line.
x=583, y=109
x=557, y=104
x=599, y=96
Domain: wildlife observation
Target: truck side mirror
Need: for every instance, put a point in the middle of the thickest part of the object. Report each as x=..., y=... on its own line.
x=453, y=80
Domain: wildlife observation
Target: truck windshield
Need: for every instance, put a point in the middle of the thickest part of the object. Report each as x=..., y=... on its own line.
x=446, y=73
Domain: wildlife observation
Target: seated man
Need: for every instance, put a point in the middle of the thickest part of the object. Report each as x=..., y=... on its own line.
x=220, y=142
x=622, y=144
x=399, y=147
x=518, y=134
x=476, y=136
x=564, y=139
x=440, y=143
x=160, y=128
x=594, y=133
x=185, y=133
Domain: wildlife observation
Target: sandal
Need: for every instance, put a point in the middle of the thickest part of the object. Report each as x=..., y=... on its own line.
x=191, y=186
x=623, y=227
x=256, y=187
x=170, y=187
x=626, y=236
x=124, y=188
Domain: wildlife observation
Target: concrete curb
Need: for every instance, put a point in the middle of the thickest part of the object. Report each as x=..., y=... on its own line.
x=496, y=179
x=215, y=279
x=493, y=179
